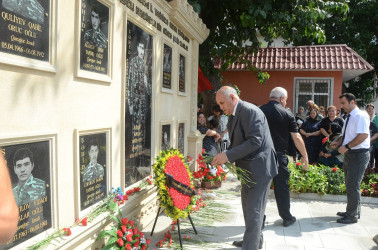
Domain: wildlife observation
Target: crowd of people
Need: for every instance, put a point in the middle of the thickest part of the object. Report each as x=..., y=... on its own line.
x=261, y=138
x=319, y=130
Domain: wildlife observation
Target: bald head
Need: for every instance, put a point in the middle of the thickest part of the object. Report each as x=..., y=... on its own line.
x=227, y=98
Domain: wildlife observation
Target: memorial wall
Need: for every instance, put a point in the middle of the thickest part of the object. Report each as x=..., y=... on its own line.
x=92, y=90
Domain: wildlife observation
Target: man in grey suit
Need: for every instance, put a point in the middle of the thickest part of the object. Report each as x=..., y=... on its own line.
x=251, y=148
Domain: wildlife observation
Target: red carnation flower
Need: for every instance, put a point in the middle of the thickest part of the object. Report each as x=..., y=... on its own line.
x=137, y=189
x=129, y=238
x=129, y=192
x=119, y=233
x=123, y=228
x=141, y=234
x=135, y=231
x=148, y=241
x=299, y=164
x=84, y=221
x=124, y=221
x=125, y=197
x=128, y=246
x=144, y=247
x=189, y=158
x=136, y=244
x=149, y=182
x=120, y=242
x=203, y=151
x=67, y=231
x=200, y=157
x=334, y=169
x=325, y=139
x=131, y=223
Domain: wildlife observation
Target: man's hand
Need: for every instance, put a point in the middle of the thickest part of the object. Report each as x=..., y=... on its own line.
x=220, y=159
x=342, y=149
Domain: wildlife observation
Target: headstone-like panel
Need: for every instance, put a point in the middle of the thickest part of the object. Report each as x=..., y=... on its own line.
x=94, y=37
x=138, y=104
x=29, y=168
x=25, y=28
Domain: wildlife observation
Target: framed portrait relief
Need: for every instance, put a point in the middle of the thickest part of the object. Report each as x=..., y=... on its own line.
x=167, y=67
x=28, y=33
x=182, y=64
x=181, y=136
x=166, y=135
x=138, y=101
x=93, y=161
x=30, y=164
x=94, y=40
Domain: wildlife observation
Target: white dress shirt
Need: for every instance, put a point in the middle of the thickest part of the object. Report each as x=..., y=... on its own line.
x=358, y=124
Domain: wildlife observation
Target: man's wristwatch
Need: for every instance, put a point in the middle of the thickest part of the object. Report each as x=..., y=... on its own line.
x=347, y=146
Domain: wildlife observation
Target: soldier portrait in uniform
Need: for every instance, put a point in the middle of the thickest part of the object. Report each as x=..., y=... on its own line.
x=27, y=8
x=166, y=137
x=29, y=188
x=30, y=165
x=182, y=74
x=94, y=35
x=138, y=104
x=180, y=137
x=167, y=67
x=93, y=170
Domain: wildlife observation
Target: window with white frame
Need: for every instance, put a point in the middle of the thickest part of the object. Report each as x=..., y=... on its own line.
x=317, y=89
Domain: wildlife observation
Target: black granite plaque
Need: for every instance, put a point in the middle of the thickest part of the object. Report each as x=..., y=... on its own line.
x=29, y=168
x=181, y=137
x=166, y=137
x=93, y=187
x=182, y=74
x=25, y=28
x=138, y=104
x=167, y=67
x=94, y=37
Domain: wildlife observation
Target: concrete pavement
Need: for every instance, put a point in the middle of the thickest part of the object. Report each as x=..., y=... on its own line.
x=315, y=228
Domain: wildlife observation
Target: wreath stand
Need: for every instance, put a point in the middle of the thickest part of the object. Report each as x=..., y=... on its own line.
x=178, y=226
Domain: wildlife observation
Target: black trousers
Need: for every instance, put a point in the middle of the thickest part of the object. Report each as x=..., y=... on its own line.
x=281, y=187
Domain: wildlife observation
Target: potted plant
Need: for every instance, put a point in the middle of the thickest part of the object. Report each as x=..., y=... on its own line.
x=210, y=176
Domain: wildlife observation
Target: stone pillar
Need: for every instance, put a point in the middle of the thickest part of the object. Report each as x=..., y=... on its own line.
x=195, y=137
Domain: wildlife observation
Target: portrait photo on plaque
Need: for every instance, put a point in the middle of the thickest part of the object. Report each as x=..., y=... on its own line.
x=29, y=169
x=166, y=137
x=94, y=36
x=25, y=28
x=138, y=104
x=181, y=137
x=182, y=74
x=93, y=164
x=167, y=67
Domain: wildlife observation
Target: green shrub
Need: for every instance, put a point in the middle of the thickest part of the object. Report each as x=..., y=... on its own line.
x=317, y=179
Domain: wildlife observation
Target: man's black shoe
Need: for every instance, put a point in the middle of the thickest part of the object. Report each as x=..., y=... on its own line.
x=343, y=214
x=238, y=243
x=287, y=223
x=347, y=220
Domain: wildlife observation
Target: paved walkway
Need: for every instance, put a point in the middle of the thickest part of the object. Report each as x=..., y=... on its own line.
x=315, y=229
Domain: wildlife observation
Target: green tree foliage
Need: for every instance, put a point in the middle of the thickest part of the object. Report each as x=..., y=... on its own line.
x=231, y=23
x=359, y=30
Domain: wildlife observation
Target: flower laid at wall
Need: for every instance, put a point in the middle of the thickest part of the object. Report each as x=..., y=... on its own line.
x=125, y=236
x=173, y=179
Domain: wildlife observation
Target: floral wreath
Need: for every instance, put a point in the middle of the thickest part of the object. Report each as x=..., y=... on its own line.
x=171, y=164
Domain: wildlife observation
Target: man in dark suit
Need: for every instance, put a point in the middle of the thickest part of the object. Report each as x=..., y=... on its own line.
x=282, y=127
x=251, y=148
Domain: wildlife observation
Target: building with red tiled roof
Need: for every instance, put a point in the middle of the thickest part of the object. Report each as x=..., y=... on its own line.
x=313, y=72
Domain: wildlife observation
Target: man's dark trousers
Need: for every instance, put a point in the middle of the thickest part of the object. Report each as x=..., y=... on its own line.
x=355, y=163
x=281, y=187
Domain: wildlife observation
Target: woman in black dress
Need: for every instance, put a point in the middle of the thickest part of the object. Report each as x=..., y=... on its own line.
x=312, y=136
x=332, y=117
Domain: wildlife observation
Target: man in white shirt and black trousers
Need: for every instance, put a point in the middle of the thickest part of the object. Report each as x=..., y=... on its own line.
x=354, y=144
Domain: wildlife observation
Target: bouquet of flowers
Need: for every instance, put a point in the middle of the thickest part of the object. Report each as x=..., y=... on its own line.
x=213, y=173
x=125, y=236
x=209, y=173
